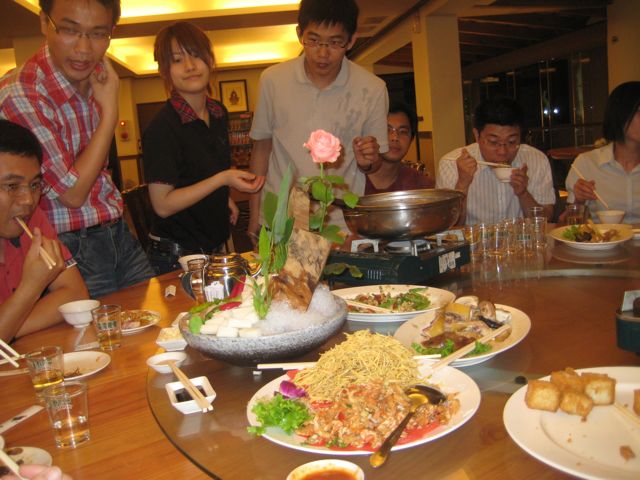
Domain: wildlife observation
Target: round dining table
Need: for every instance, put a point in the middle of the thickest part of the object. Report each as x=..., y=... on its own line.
x=571, y=297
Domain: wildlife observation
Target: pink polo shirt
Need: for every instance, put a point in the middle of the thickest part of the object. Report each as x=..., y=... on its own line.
x=15, y=251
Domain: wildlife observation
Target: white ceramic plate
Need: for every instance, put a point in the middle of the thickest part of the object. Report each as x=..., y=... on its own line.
x=588, y=449
x=625, y=235
x=29, y=456
x=438, y=298
x=448, y=379
x=409, y=333
x=87, y=363
x=149, y=320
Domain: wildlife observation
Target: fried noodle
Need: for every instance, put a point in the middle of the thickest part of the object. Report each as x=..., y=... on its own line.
x=361, y=359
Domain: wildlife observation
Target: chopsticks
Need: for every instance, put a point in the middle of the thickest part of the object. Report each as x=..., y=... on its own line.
x=301, y=365
x=493, y=164
x=13, y=466
x=627, y=414
x=375, y=308
x=597, y=194
x=9, y=358
x=43, y=253
x=200, y=400
x=461, y=352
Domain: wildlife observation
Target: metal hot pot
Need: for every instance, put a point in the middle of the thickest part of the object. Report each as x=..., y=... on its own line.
x=405, y=214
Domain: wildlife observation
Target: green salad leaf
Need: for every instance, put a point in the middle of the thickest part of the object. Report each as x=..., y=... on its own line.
x=448, y=348
x=571, y=232
x=285, y=413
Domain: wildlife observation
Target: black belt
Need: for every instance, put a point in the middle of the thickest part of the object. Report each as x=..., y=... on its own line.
x=98, y=227
x=165, y=245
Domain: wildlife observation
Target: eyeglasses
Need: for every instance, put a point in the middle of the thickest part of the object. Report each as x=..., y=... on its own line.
x=69, y=34
x=14, y=190
x=335, y=44
x=509, y=145
x=400, y=132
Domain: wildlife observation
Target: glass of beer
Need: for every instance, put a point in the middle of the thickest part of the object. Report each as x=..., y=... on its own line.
x=46, y=368
x=107, y=322
x=68, y=413
x=575, y=214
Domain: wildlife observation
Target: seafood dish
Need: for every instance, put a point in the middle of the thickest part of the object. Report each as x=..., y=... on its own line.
x=461, y=323
x=353, y=397
x=590, y=233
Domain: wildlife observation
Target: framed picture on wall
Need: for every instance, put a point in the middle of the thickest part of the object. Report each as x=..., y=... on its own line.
x=233, y=94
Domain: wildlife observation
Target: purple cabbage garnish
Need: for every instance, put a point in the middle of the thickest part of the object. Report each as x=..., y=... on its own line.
x=290, y=390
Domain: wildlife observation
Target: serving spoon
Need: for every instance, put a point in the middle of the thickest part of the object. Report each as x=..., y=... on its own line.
x=419, y=395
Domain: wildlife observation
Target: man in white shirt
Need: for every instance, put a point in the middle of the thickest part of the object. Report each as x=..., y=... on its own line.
x=497, y=129
x=320, y=89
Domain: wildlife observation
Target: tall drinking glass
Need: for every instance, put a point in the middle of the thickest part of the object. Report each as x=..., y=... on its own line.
x=575, y=214
x=46, y=368
x=107, y=320
x=68, y=411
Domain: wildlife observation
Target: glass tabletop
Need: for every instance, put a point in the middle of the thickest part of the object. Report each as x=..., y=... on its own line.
x=573, y=324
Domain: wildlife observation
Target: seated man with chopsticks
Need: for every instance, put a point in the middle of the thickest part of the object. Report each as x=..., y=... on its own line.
x=29, y=267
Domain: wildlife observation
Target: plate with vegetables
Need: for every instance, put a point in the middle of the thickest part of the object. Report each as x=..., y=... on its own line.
x=591, y=236
x=135, y=321
x=354, y=396
x=402, y=301
x=461, y=323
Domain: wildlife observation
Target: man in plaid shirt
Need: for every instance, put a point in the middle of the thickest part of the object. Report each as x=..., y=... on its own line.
x=67, y=94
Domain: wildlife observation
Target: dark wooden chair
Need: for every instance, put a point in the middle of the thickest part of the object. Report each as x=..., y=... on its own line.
x=139, y=212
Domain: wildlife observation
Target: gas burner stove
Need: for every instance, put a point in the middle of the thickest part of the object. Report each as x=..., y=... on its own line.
x=402, y=262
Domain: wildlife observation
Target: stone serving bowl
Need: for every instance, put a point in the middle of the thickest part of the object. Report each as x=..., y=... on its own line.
x=267, y=348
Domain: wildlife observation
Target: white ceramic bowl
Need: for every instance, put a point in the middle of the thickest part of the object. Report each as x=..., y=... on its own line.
x=153, y=362
x=184, y=261
x=326, y=465
x=502, y=173
x=610, y=216
x=78, y=313
x=189, y=406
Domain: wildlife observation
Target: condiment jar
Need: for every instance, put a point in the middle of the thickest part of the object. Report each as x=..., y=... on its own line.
x=223, y=273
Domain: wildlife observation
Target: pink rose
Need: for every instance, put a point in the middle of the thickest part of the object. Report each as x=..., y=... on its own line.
x=324, y=147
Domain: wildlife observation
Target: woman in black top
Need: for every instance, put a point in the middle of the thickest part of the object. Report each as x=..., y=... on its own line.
x=186, y=153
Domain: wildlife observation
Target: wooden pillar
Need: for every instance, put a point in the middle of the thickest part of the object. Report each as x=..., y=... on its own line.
x=623, y=38
x=438, y=82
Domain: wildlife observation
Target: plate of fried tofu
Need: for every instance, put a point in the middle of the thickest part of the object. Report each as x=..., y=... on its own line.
x=571, y=420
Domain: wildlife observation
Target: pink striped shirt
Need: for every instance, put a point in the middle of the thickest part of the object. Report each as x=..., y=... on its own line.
x=39, y=97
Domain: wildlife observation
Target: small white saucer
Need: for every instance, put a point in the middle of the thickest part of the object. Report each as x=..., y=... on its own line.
x=189, y=406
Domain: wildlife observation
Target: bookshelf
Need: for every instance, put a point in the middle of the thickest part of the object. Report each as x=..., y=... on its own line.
x=239, y=126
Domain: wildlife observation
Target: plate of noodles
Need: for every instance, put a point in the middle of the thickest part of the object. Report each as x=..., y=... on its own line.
x=404, y=301
x=360, y=382
x=603, y=236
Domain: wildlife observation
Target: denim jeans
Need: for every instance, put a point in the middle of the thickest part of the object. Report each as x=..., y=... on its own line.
x=109, y=258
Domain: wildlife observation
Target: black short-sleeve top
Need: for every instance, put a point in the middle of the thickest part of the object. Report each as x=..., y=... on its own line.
x=179, y=149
